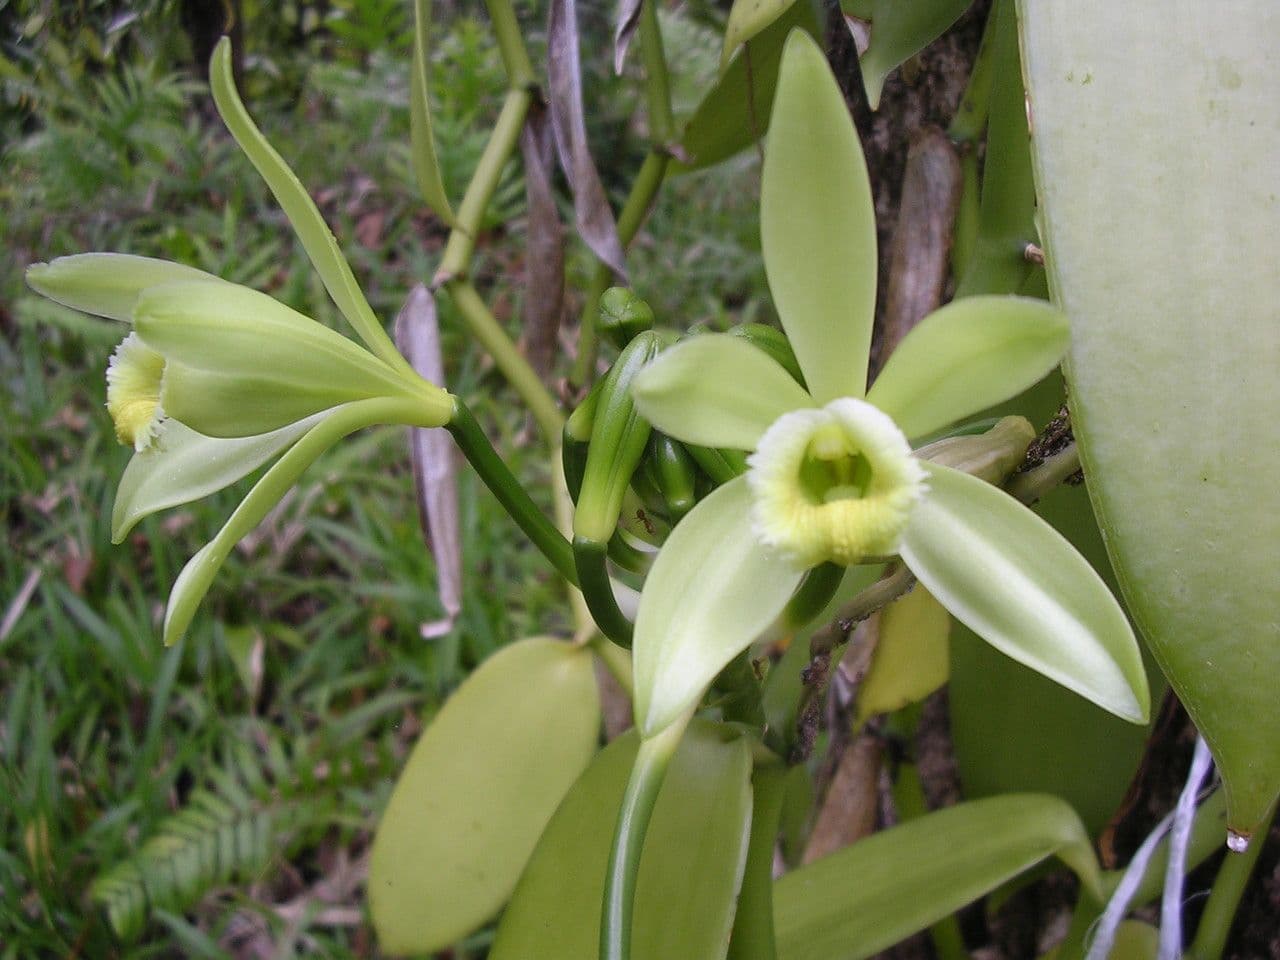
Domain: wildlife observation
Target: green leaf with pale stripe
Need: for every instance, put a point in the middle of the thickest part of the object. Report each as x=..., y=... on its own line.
x=817, y=225
x=692, y=864
x=855, y=903
x=1018, y=584
x=712, y=590
x=967, y=356
x=476, y=792
x=716, y=391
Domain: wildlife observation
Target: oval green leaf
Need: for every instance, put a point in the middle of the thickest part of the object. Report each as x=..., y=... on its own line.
x=716, y=391
x=1172, y=367
x=817, y=225
x=855, y=903
x=1018, y=584
x=711, y=591
x=967, y=356
x=477, y=791
x=690, y=870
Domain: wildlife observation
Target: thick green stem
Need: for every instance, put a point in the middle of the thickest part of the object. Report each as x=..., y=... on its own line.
x=498, y=478
x=522, y=377
x=634, y=211
x=638, y=802
x=753, y=936
x=1228, y=887
x=515, y=59
x=593, y=577
x=502, y=144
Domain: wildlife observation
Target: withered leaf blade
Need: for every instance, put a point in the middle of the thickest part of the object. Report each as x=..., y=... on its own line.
x=628, y=20
x=564, y=82
x=544, y=253
x=435, y=469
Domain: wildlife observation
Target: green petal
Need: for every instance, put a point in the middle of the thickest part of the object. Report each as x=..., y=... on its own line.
x=695, y=852
x=716, y=391
x=1014, y=580
x=312, y=232
x=477, y=791
x=240, y=363
x=866, y=897
x=967, y=356
x=817, y=225
x=711, y=591
x=106, y=284
x=196, y=577
x=182, y=465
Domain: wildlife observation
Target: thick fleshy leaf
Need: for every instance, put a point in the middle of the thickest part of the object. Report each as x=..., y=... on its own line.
x=433, y=457
x=193, y=582
x=312, y=232
x=1172, y=367
x=711, y=592
x=239, y=363
x=591, y=207
x=899, y=30
x=967, y=356
x=911, y=655
x=735, y=112
x=426, y=167
x=477, y=791
x=107, y=284
x=716, y=391
x=746, y=19
x=690, y=870
x=817, y=225
x=855, y=903
x=1018, y=584
x=182, y=466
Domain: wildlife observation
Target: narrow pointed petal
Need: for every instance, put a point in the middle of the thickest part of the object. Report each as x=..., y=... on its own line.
x=197, y=576
x=969, y=355
x=716, y=391
x=1013, y=580
x=107, y=284
x=303, y=214
x=711, y=591
x=240, y=363
x=817, y=225
x=182, y=466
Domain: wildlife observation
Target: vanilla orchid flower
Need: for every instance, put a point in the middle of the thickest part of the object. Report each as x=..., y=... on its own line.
x=216, y=380
x=833, y=477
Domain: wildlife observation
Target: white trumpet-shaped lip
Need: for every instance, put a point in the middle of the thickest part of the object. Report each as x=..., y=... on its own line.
x=833, y=484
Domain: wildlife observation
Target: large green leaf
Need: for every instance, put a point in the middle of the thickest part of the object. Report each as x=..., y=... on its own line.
x=965, y=357
x=899, y=30
x=735, y=112
x=855, y=903
x=717, y=391
x=1018, y=584
x=689, y=872
x=817, y=225
x=711, y=591
x=477, y=791
x=1155, y=130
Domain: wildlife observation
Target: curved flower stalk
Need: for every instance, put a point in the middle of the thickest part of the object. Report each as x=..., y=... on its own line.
x=215, y=380
x=833, y=477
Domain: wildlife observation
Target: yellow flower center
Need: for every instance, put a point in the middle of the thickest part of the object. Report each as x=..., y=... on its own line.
x=834, y=484
x=133, y=392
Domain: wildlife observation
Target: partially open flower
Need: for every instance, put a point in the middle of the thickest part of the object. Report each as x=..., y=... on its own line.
x=134, y=376
x=833, y=484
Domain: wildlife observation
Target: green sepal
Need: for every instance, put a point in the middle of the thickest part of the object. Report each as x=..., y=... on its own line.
x=107, y=284
x=618, y=437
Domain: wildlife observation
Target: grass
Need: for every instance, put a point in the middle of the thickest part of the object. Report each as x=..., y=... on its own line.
x=218, y=797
